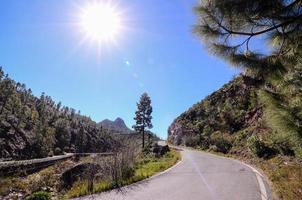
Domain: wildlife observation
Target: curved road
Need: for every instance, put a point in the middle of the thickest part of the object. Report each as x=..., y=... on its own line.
x=199, y=176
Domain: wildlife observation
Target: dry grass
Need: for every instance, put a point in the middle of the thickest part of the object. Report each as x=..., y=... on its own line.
x=285, y=175
x=145, y=167
x=46, y=178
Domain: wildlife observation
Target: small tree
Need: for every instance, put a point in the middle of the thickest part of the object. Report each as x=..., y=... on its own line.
x=143, y=116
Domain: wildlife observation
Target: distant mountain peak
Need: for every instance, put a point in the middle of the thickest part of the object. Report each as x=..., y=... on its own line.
x=117, y=125
x=119, y=120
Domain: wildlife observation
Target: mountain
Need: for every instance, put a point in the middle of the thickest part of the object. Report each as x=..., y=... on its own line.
x=118, y=125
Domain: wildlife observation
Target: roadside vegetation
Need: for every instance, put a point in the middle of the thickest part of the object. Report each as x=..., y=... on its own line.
x=43, y=128
x=88, y=175
x=132, y=163
x=144, y=167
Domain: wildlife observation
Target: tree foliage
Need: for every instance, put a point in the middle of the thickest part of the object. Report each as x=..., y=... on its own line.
x=143, y=116
x=229, y=27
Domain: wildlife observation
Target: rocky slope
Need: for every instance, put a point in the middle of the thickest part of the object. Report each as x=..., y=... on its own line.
x=220, y=119
x=243, y=117
x=228, y=110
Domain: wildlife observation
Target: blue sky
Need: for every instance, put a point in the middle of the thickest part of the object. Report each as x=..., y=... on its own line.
x=157, y=53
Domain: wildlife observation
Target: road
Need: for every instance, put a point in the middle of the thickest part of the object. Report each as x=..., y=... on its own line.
x=199, y=176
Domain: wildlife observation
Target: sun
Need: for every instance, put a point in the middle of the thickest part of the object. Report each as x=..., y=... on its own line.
x=101, y=21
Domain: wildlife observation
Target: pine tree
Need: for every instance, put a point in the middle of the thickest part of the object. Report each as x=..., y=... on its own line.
x=229, y=27
x=1, y=73
x=143, y=116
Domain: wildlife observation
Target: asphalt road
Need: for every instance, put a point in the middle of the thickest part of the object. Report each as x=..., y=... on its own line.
x=199, y=176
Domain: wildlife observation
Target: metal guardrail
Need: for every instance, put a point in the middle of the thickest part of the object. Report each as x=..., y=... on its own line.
x=34, y=161
x=23, y=167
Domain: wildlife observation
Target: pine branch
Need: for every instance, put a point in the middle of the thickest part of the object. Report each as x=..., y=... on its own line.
x=259, y=32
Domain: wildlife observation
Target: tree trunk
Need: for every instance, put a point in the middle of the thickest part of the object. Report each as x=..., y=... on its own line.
x=149, y=138
x=143, y=139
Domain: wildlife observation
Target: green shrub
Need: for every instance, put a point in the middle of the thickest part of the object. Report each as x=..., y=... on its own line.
x=191, y=141
x=240, y=137
x=223, y=145
x=260, y=148
x=57, y=151
x=127, y=172
x=50, y=154
x=39, y=196
x=283, y=144
x=204, y=144
x=298, y=152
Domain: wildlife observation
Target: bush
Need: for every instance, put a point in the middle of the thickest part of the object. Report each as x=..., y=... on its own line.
x=283, y=144
x=260, y=148
x=39, y=196
x=57, y=151
x=204, y=144
x=223, y=145
x=127, y=172
x=160, y=150
x=50, y=154
x=191, y=141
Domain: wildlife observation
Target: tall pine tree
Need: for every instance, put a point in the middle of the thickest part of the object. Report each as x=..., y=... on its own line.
x=143, y=116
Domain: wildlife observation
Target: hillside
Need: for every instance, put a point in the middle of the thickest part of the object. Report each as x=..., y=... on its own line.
x=215, y=121
x=117, y=126
x=232, y=118
x=32, y=127
x=250, y=121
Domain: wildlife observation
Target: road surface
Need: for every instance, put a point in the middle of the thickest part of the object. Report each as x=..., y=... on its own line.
x=199, y=176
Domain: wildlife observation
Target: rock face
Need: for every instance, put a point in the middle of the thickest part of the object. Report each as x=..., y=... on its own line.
x=13, y=141
x=176, y=133
x=118, y=125
x=160, y=150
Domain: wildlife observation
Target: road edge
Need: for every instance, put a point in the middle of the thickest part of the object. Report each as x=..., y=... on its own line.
x=160, y=173
x=259, y=176
x=260, y=180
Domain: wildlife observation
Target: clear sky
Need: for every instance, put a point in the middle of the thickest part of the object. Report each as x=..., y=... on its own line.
x=156, y=52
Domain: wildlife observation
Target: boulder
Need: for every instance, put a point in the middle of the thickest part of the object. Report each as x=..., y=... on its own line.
x=160, y=150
